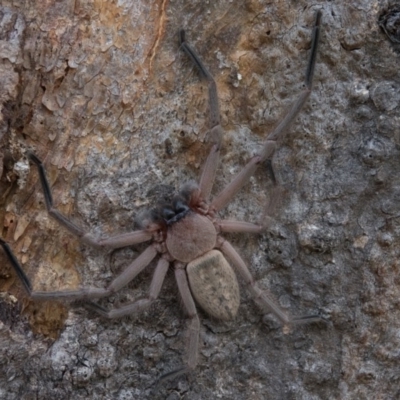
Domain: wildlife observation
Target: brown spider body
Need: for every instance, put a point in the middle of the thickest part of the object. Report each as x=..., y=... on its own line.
x=185, y=235
x=190, y=237
x=214, y=285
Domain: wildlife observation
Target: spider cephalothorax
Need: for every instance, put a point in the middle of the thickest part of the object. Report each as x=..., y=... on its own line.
x=185, y=233
x=184, y=226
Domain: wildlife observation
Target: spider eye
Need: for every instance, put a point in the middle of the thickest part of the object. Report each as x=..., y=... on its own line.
x=174, y=212
x=168, y=214
x=180, y=207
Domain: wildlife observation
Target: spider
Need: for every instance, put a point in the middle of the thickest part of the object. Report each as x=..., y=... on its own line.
x=185, y=233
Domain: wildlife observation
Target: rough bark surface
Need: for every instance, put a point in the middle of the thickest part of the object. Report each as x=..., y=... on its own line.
x=102, y=94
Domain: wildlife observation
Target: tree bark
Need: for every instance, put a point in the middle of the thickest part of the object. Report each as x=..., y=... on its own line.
x=100, y=91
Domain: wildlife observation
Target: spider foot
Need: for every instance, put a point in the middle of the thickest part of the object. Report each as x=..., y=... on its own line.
x=171, y=375
x=310, y=319
x=92, y=306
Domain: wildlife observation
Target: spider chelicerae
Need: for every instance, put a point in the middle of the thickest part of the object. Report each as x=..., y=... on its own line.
x=185, y=234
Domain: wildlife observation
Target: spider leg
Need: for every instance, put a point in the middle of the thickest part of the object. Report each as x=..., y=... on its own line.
x=262, y=297
x=231, y=226
x=194, y=324
x=223, y=198
x=138, y=305
x=264, y=222
x=118, y=241
x=120, y=281
x=211, y=164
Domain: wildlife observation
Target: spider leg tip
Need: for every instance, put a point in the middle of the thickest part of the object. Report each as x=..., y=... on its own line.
x=182, y=38
x=170, y=375
x=32, y=157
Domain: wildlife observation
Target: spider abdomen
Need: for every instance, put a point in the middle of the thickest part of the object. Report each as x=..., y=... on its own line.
x=214, y=285
x=191, y=237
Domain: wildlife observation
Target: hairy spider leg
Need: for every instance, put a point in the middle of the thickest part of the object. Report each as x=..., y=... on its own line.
x=126, y=239
x=126, y=276
x=137, y=306
x=227, y=194
x=215, y=134
x=262, y=297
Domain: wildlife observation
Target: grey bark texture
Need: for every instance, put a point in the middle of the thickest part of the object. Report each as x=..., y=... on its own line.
x=101, y=93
